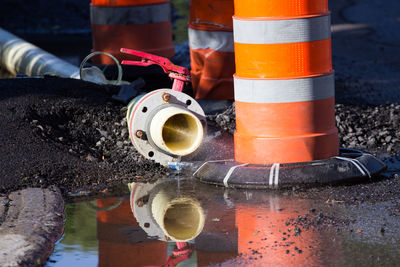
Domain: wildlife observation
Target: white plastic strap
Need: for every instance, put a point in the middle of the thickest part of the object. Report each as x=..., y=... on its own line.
x=130, y=15
x=274, y=175
x=202, y=165
x=229, y=173
x=282, y=31
x=221, y=41
x=284, y=91
x=359, y=165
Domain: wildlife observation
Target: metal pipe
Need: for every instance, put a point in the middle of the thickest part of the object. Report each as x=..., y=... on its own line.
x=176, y=131
x=165, y=125
x=19, y=56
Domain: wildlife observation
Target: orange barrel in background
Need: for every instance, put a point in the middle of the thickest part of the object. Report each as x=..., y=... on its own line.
x=211, y=48
x=284, y=82
x=143, y=25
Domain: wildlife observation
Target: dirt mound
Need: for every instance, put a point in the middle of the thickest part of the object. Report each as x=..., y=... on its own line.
x=67, y=133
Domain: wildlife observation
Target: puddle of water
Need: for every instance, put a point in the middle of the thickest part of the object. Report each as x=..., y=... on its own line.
x=79, y=245
x=186, y=223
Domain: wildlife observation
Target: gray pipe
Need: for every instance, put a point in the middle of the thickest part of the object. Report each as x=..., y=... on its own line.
x=19, y=56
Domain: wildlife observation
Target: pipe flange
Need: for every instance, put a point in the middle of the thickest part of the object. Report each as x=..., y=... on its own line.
x=150, y=202
x=141, y=209
x=141, y=111
x=350, y=165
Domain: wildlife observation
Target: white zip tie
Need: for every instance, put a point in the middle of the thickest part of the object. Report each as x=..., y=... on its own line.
x=274, y=175
x=271, y=175
x=361, y=167
x=229, y=173
x=202, y=165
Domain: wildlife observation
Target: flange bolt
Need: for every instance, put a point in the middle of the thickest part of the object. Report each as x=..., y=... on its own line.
x=165, y=97
x=139, y=134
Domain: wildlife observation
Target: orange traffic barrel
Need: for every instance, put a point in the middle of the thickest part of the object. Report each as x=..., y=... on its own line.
x=284, y=82
x=211, y=48
x=143, y=25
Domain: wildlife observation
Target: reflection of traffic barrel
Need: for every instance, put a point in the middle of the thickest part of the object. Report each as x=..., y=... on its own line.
x=143, y=25
x=121, y=241
x=211, y=48
x=284, y=82
x=214, y=245
x=272, y=235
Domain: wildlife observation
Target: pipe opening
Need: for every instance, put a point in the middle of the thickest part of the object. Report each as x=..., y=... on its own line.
x=181, y=133
x=183, y=221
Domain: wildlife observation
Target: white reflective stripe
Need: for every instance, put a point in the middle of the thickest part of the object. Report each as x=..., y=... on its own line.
x=229, y=173
x=276, y=175
x=216, y=40
x=271, y=175
x=210, y=161
x=285, y=90
x=282, y=31
x=130, y=15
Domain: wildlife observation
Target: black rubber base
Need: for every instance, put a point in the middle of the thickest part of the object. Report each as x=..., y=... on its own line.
x=350, y=165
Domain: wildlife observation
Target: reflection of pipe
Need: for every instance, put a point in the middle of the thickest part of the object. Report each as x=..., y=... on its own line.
x=161, y=212
x=176, y=130
x=217, y=241
x=19, y=56
x=181, y=219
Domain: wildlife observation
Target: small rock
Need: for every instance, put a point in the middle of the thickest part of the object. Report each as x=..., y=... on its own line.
x=297, y=231
x=120, y=144
x=103, y=133
x=124, y=132
x=90, y=158
x=382, y=230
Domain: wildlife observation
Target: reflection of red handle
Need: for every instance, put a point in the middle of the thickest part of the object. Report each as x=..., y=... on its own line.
x=182, y=252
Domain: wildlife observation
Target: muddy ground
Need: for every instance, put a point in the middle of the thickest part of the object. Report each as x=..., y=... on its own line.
x=67, y=133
